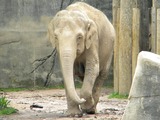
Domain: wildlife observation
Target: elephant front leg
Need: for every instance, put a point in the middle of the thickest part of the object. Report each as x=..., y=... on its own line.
x=73, y=108
x=91, y=73
x=100, y=80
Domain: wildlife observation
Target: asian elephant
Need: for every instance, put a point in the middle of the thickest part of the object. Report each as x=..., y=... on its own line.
x=82, y=36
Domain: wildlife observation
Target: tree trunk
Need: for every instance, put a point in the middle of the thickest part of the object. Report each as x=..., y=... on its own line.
x=144, y=39
x=125, y=45
x=153, y=29
x=135, y=37
x=116, y=15
x=158, y=31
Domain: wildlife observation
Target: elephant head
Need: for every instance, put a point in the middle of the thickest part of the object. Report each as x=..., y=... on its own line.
x=71, y=33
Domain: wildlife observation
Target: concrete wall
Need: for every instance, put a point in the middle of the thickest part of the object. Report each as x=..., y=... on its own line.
x=23, y=25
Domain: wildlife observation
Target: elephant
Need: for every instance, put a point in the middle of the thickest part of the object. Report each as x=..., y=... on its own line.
x=83, y=37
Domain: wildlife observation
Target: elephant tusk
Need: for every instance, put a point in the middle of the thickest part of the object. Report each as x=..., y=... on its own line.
x=82, y=101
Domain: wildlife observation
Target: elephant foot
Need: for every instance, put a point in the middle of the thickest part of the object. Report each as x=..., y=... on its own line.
x=88, y=107
x=89, y=111
x=74, y=112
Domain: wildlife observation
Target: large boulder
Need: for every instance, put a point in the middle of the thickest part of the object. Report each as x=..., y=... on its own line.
x=144, y=97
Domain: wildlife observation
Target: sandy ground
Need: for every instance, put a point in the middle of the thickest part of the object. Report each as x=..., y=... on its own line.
x=54, y=106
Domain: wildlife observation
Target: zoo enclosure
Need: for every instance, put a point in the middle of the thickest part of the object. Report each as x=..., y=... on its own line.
x=23, y=41
x=137, y=25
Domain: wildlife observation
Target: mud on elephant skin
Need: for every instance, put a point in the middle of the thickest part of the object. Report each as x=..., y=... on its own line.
x=82, y=36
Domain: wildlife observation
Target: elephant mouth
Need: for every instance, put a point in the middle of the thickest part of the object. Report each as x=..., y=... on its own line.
x=78, y=52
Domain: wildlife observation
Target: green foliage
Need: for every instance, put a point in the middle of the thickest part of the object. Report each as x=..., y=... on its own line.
x=12, y=89
x=7, y=111
x=78, y=84
x=56, y=87
x=61, y=86
x=3, y=102
x=118, y=96
x=4, y=109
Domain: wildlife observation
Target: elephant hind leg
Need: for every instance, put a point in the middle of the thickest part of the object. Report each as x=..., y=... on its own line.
x=97, y=88
x=89, y=106
x=79, y=70
x=95, y=95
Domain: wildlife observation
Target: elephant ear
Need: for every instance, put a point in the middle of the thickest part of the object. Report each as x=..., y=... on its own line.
x=51, y=33
x=92, y=33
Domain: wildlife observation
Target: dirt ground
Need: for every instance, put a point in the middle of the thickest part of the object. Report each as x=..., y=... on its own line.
x=54, y=106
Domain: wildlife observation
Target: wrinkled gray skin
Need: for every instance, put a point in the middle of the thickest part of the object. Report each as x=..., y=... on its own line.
x=83, y=37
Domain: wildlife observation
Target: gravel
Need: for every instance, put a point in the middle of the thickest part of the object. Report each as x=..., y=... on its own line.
x=54, y=106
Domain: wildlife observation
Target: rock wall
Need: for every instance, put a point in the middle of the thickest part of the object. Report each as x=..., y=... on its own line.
x=23, y=39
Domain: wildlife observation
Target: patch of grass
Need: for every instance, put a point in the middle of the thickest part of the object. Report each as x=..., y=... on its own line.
x=107, y=86
x=7, y=111
x=12, y=89
x=31, y=89
x=55, y=87
x=118, y=96
x=78, y=84
x=3, y=102
x=60, y=86
x=4, y=109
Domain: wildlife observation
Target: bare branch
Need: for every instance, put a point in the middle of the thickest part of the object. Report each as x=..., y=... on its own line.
x=62, y=2
x=50, y=72
x=70, y=2
x=43, y=60
x=61, y=7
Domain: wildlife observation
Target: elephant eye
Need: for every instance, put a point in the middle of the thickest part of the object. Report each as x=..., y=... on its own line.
x=79, y=37
x=55, y=37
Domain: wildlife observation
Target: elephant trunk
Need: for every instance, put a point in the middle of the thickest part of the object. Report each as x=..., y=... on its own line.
x=67, y=62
